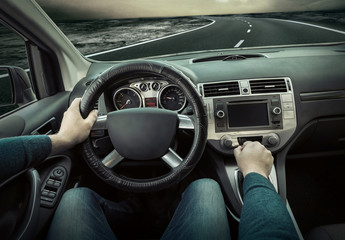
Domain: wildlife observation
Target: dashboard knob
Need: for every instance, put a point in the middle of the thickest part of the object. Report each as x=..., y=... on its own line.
x=220, y=114
x=273, y=140
x=226, y=142
x=276, y=110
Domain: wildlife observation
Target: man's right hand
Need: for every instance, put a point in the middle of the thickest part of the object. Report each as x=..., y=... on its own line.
x=254, y=157
x=74, y=129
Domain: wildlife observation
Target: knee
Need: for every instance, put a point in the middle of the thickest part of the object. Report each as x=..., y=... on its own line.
x=75, y=198
x=75, y=193
x=205, y=188
x=205, y=183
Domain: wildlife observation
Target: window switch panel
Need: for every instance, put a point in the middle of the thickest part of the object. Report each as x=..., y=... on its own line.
x=52, y=186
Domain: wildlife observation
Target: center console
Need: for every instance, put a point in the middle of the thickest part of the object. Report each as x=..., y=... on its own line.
x=260, y=110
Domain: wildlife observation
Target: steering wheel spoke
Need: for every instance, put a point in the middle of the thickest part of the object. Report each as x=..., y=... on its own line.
x=112, y=159
x=172, y=158
x=185, y=122
x=100, y=124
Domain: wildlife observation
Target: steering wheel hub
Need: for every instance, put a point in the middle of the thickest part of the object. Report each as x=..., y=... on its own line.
x=142, y=133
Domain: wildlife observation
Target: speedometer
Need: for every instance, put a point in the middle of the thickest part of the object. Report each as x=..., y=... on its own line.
x=126, y=98
x=172, y=97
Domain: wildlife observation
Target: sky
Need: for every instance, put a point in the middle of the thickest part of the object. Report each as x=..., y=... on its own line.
x=104, y=9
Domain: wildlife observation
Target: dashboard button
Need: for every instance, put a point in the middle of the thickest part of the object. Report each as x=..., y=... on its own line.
x=276, y=110
x=58, y=173
x=220, y=124
x=287, y=106
x=289, y=114
x=220, y=114
x=219, y=106
x=286, y=98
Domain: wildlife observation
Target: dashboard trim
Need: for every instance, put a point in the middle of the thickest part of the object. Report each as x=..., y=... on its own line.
x=327, y=95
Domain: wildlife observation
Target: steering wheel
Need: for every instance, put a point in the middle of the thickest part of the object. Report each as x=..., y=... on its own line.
x=144, y=133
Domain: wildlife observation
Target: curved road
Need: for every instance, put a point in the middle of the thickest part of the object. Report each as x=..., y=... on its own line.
x=229, y=32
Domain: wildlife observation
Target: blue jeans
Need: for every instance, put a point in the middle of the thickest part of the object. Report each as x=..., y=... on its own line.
x=83, y=214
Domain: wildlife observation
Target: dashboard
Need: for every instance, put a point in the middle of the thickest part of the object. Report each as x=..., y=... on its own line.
x=297, y=86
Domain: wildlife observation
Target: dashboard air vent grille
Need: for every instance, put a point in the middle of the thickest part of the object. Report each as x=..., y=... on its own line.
x=268, y=86
x=221, y=89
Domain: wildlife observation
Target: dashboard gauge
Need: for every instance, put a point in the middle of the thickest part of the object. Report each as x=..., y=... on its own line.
x=155, y=86
x=126, y=98
x=143, y=87
x=171, y=97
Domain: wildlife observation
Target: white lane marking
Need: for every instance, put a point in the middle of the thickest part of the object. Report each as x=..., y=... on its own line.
x=4, y=75
x=248, y=31
x=311, y=25
x=239, y=44
x=153, y=40
x=250, y=25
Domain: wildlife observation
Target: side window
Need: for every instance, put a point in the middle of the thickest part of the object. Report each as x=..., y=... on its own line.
x=15, y=85
x=6, y=98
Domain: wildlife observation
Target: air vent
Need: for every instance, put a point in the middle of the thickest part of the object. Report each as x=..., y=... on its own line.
x=221, y=89
x=233, y=57
x=268, y=86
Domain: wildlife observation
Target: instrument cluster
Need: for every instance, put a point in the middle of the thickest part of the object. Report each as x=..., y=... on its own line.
x=149, y=93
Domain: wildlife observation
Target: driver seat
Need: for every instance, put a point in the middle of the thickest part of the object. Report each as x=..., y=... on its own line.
x=328, y=232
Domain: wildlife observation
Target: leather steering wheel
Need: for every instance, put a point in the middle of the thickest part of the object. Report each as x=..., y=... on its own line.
x=144, y=133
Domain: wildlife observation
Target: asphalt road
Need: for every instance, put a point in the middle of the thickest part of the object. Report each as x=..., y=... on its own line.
x=228, y=32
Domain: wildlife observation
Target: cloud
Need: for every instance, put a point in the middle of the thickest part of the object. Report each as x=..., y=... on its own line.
x=101, y=9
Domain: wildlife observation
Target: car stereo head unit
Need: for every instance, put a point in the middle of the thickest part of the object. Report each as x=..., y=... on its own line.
x=261, y=112
x=243, y=110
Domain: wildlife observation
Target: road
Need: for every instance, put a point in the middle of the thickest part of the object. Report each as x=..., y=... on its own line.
x=228, y=32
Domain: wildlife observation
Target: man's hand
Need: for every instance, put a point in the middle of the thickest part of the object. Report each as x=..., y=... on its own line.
x=254, y=157
x=74, y=129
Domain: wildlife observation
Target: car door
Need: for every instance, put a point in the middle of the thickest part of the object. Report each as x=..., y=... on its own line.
x=32, y=101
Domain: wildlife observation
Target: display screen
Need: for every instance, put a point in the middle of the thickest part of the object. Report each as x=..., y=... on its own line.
x=151, y=102
x=248, y=115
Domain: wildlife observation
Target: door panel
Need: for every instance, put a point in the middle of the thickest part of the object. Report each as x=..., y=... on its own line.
x=20, y=208
x=34, y=116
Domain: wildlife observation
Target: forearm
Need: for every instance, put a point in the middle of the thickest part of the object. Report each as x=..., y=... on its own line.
x=59, y=144
x=20, y=153
x=264, y=215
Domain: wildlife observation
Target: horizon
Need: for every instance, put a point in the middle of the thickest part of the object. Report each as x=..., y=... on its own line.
x=214, y=15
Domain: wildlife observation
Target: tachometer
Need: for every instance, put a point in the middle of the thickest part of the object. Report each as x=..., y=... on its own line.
x=126, y=98
x=172, y=97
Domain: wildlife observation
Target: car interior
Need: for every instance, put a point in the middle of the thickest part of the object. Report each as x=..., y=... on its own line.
x=290, y=98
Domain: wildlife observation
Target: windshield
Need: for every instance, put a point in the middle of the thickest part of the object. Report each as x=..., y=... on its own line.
x=118, y=30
